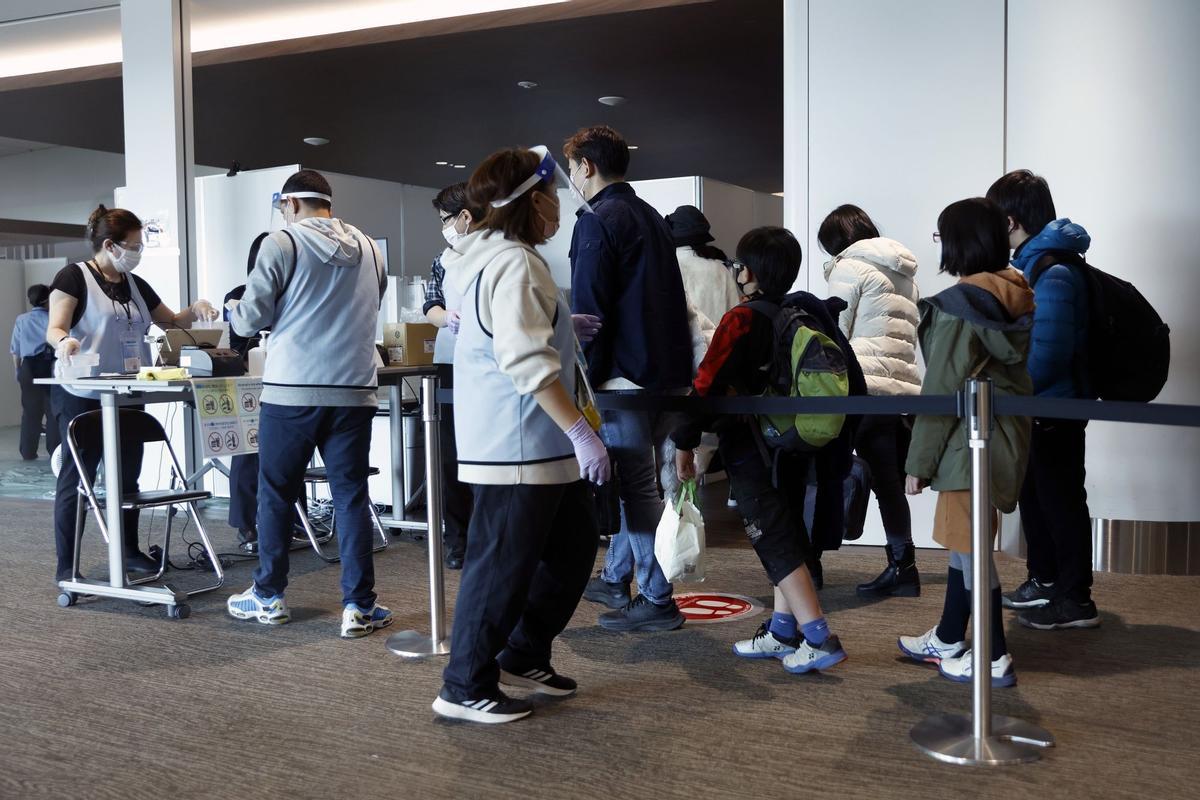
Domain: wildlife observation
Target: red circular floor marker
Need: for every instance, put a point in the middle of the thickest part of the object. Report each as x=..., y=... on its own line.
x=706, y=607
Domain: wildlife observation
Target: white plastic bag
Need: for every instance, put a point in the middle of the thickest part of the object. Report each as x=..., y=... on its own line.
x=679, y=540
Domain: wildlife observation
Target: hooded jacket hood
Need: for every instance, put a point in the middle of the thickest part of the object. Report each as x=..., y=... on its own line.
x=330, y=240
x=880, y=252
x=999, y=305
x=472, y=253
x=1061, y=234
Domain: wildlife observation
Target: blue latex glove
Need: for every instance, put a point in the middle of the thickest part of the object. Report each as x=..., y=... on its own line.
x=586, y=326
x=593, y=458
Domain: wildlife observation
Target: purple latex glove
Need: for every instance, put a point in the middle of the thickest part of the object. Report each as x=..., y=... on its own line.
x=586, y=326
x=593, y=458
x=453, y=321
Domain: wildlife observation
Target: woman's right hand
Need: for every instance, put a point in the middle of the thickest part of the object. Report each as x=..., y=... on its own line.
x=67, y=347
x=685, y=464
x=594, y=464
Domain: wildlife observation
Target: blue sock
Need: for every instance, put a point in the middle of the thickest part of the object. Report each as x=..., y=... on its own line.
x=783, y=626
x=815, y=632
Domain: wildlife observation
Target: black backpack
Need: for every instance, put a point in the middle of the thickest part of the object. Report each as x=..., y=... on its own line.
x=1129, y=346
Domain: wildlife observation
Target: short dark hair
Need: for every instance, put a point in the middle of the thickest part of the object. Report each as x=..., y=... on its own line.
x=38, y=295
x=453, y=199
x=844, y=226
x=603, y=146
x=774, y=256
x=496, y=178
x=1026, y=198
x=113, y=224
x=309, y=180
x=974, y=236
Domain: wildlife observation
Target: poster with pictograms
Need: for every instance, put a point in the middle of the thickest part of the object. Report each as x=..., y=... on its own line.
x=228, y=409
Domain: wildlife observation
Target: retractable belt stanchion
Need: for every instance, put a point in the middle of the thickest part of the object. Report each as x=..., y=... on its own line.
x=981, y=739
x=413, y=644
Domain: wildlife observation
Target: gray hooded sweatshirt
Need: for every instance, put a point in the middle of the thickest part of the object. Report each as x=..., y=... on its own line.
x=317, y=285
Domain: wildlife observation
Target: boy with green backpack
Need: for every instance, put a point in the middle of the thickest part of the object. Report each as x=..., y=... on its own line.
x=780, y=344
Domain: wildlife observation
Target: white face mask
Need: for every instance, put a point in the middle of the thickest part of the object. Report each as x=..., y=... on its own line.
x=124, y=260
x=450, y=232
x=579, y=186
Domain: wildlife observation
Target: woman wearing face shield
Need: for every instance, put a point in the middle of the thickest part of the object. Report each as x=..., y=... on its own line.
x=98, y=308
x=522, y=443
x=442, y=308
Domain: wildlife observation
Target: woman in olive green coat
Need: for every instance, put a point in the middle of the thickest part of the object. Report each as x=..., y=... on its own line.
x=979, y=327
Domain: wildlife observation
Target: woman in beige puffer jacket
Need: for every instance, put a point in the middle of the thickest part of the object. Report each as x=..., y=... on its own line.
x=875, y=276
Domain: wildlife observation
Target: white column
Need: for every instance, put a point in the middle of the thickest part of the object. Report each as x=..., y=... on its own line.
x=795, y=128
x=159, y=170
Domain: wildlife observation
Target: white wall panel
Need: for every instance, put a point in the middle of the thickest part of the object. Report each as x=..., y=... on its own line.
x=1109, y=116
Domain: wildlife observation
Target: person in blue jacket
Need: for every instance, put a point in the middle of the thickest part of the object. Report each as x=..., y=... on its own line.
x=1054, y=510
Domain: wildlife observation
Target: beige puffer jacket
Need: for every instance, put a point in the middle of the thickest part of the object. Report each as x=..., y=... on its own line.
x=875, y=278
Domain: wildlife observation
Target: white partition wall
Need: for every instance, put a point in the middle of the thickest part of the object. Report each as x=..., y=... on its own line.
x=1110, y=120
x=905, y=115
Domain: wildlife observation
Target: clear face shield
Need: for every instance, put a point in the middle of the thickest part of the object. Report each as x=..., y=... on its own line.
x=281, y=215
x=570, y=201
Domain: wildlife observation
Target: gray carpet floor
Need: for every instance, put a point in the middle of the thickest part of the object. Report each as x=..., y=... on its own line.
x=113, y=700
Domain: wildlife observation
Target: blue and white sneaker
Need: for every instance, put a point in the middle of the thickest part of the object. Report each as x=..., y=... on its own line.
x=251, y=605
x=358, y=622
x=959, y=670
x=929, y=649
x=764, y=644
x=808, y=658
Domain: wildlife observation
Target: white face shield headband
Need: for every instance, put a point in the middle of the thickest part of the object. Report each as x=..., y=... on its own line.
x=278, y=220
x=548, y=171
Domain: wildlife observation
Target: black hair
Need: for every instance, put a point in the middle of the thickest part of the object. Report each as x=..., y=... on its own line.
x=844, y=226
x=603, y=147
x=974, y=237
x=38, y=295
x=113, y=224
x=252, y=259
x=774, y=256
x=309, y=180
x=454, y=199
x=706, y=250
x=1026, y=198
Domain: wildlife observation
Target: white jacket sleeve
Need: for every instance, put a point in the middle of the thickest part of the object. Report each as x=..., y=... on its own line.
x=844, y=283
x=520, y=316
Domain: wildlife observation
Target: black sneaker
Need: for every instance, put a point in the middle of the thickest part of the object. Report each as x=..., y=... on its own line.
x=454, y=558
x=542, y=681
x=1061, y=612
x=1030, y=594
x=639, y=614
x=613, y=595
x=493, y=710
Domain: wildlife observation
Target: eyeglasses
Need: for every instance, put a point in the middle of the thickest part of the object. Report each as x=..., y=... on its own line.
x=445, y=218
x=937, y=237
x=133, y=247
x=734, y=266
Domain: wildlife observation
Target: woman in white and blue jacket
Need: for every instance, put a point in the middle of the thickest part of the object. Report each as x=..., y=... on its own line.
x=522, y=443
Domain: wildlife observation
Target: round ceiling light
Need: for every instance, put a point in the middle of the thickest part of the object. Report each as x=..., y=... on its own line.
x=527, y=84
x=316, y=141
x=633, y=147
x=613, y=100
x=460, y=166
x=442, y=163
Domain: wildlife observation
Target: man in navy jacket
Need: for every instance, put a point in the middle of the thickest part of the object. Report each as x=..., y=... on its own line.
x=624, y=271
x=1054, y=510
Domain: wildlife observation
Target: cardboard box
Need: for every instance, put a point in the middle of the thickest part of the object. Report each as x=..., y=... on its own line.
x=409, y=344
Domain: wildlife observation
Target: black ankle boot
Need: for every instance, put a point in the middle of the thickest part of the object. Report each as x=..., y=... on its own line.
x=899, y=579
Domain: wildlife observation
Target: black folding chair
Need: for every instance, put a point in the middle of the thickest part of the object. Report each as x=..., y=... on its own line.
x=315, y=475
x=85, y=432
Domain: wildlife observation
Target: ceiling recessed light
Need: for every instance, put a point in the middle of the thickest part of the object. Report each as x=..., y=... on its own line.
x=613, y=100
x=316, y=141
x=460, y=166
x=442, y=163
x=527, y=84
x=633, y=147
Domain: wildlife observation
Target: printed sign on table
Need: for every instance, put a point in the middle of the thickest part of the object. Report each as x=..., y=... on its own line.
x=228, y=410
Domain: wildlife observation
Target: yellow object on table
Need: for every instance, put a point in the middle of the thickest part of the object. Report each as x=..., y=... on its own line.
x=163, y=374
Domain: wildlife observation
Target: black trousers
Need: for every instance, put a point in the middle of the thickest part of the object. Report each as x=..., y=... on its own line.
x=530, y=552
x=1054, y=510
x=774, y=517
x=457, y=497
x=883, y=443
x=35, y=407
x=66, y=500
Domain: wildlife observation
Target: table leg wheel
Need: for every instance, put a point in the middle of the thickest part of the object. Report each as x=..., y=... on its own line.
x=179, y=612
x=66, y=599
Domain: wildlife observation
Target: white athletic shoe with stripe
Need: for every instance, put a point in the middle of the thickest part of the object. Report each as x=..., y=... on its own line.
x=543, y=681
x=487, y=710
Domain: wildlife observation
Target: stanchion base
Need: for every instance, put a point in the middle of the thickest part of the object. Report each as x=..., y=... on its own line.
x=414, y=644
x=950, y=738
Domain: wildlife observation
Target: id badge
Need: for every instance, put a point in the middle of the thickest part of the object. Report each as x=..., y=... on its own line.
x=131, y=350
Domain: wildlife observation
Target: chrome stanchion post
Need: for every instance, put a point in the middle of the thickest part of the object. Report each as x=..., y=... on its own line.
x=411, y=644
x=396, y=425
x=982, y=739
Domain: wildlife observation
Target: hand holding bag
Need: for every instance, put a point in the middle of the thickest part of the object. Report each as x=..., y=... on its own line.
x=679, y=540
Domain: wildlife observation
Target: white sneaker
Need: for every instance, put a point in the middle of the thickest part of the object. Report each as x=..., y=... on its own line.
x=763, y=645
x=959, y=670
x=358, y=622
x=928, y=648
x=249, y=605
x=809, y=657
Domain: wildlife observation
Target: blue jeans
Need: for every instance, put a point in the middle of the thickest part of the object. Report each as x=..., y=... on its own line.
x=630, y=439
x=287, y=437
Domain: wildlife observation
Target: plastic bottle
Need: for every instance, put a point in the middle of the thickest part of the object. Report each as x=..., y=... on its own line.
x=258, y=356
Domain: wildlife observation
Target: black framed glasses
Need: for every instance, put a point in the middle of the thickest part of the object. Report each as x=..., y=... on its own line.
x=937, y=237
x=735, y=267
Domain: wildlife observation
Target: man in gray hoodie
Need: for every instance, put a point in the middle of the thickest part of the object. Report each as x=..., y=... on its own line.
x=317, y=284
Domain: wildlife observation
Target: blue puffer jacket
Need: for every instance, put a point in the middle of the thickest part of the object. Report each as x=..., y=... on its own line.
x=1060, y=321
